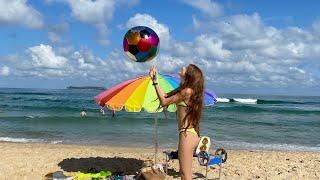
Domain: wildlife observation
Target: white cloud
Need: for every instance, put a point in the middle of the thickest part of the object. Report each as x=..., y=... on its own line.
x=211, y=47
x=42, y=61
x=237, y=26
x=84, y=65
x=260, y=55
x=182, y=48
x=44, y=56
x=19, y=12
x=207, y=7
x=97, y=13
x=233, y=51
x=237, y=50
x=54, y=73
x=168, y=63
x=92, y=12
x=316, y=27
x=266, y=41
x=85, y=58
x=234, y=67
x=65, y=50
x=103, y=31
x=46, y=62
x=146, y=20
x=5, y=71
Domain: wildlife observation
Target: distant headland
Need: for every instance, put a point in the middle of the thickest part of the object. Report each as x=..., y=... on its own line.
x=87, y=87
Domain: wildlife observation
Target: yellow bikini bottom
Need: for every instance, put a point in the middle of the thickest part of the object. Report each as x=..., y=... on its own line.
x=192, y=130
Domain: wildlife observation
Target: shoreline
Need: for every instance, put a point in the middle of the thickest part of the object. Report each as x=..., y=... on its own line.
x=299, y=148
x=112, y=147
x=35, y=160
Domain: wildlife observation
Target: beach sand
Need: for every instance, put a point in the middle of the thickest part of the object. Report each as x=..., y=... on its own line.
x=34, y=161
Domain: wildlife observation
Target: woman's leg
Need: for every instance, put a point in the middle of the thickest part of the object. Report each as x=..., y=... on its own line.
x=187, y=144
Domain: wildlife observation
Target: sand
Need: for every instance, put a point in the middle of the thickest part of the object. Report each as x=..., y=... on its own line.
x=34, y=161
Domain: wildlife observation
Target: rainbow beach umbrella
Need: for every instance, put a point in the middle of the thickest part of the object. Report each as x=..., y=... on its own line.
x=139, y=94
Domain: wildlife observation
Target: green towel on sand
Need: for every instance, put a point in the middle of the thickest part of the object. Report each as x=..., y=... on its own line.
x=101, y=174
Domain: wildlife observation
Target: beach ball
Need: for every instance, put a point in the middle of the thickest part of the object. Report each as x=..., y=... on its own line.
x=141, y=44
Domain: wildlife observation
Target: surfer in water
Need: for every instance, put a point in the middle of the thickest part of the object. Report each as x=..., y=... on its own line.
x=83, y=114
x=102, y=111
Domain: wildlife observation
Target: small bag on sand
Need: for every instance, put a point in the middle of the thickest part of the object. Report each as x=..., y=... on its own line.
x=153, y=174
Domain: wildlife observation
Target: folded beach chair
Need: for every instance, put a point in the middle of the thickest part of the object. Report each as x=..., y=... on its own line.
x=203, y=155
x=203, y=145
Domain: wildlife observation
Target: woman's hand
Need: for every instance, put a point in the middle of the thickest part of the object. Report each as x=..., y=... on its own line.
x=153, y=74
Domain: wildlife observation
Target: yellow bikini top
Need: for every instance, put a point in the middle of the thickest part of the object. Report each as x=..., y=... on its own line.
x=182, y=103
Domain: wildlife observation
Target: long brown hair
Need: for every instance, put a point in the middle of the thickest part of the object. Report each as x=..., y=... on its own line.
x=194, y=80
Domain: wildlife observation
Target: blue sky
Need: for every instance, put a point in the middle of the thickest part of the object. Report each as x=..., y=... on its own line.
x=241, y=46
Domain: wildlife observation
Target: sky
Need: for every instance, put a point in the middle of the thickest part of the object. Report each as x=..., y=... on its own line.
x=245, y=47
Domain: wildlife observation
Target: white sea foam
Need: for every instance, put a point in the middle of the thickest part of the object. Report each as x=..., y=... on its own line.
x=223, y=100
x=246, y=101
x=22, y=140
x=238, y=100
x=25, y=140
x=56, y=142
x=261, y=146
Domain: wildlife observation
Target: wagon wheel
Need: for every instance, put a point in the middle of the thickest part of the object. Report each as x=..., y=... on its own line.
x=222, y=153
x=203, y=158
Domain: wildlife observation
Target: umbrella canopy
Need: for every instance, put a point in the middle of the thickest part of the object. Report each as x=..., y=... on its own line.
x=138, y=93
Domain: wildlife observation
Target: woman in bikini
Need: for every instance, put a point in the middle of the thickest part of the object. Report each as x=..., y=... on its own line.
x=188, y=98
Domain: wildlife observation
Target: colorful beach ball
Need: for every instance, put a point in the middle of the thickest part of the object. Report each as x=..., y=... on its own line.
x=141, y=44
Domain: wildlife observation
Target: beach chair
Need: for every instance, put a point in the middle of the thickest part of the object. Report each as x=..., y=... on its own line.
x=203, y=145
x=203, y=156
x=211, y=160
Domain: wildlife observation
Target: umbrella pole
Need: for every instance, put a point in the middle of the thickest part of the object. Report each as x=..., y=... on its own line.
x=156, y=139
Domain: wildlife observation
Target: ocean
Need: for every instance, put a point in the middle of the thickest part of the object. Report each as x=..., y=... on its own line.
x=255, y=122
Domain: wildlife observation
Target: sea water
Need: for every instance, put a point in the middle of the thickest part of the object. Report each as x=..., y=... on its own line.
x=263, y=122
